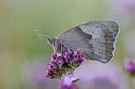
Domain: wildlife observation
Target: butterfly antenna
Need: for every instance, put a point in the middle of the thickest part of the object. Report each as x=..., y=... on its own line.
x=40, y=35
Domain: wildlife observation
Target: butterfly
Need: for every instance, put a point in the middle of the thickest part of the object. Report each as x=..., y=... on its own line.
x=96, y=39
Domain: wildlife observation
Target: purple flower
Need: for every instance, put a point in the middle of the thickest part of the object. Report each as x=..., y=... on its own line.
x=68, y=83
x=63, y=63
x=129, y=65
x=55, y=56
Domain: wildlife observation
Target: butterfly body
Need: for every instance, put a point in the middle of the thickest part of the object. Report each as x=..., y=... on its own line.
x=96, y=39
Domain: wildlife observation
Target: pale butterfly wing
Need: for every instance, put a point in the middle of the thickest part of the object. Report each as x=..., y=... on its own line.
x=104, y=35
x=95, y=38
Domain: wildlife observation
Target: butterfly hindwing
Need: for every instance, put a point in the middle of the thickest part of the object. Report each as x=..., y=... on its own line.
x=104, y=35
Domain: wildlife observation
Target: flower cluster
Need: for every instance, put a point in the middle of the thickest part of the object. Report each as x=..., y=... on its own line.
x=63, y=63
x=68, y=83
x=129, y=65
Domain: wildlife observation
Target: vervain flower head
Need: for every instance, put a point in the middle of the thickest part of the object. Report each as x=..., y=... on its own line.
x=62, y=63
x=129, y=65
x=68, y=83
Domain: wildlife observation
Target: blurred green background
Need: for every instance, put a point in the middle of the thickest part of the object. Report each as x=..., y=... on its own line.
x=19, y=19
